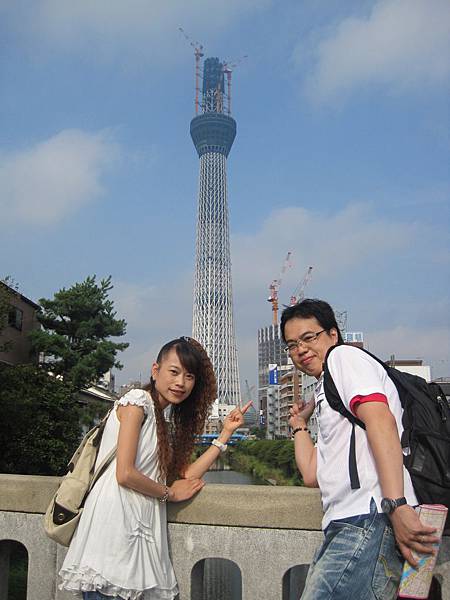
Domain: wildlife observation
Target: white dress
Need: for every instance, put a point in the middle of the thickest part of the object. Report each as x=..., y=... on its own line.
x=120, y=545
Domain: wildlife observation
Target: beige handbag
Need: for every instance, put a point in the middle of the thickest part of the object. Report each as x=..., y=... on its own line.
x=64, y=511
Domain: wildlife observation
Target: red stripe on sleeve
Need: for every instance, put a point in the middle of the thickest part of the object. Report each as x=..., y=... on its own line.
x=357, y=400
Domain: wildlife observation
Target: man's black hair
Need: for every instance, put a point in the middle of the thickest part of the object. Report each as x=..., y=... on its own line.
x=312, y=307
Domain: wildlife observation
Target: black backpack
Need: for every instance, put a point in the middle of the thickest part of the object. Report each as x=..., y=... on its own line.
x=426, y=436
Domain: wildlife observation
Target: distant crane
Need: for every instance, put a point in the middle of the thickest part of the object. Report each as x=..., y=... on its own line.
x=228, y=67
x=299, y=293
x=275, y=286
x=198, y=53
x=248, y=390
x=341, y=318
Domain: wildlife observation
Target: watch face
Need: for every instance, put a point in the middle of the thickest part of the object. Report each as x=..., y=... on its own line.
x=387, y=505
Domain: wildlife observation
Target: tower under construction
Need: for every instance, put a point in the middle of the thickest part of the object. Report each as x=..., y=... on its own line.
x=213, y=131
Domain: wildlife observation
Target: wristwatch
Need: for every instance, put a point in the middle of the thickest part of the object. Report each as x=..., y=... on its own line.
x=217, y=444
x=388, y=505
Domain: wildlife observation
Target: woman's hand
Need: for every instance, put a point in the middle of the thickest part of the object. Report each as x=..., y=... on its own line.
x=235, y=419
x=183, y=489
x=300, y=414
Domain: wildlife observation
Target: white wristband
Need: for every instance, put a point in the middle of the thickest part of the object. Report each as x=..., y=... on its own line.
x=217, y=444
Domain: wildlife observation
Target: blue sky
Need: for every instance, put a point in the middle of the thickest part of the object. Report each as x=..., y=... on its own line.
x=341, y=157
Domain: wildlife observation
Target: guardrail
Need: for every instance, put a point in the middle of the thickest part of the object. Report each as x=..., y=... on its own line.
x=230, y=541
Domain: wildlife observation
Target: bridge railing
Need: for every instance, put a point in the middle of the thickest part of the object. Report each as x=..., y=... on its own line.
x=256, y=540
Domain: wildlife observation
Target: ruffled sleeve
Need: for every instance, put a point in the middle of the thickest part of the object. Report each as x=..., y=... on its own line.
x=136, y=398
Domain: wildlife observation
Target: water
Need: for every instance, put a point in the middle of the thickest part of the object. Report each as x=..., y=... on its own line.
x=230, y=477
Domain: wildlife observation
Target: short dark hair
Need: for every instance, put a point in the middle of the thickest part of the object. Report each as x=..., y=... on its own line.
x=312, y=307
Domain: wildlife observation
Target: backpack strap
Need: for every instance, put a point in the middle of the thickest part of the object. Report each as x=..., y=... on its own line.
x=335, y=401
x=102, y=468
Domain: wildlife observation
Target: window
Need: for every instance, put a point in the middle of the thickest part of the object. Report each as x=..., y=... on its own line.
x=15, y=317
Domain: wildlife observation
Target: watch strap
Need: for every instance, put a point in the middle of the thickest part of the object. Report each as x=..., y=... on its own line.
x=217, y=444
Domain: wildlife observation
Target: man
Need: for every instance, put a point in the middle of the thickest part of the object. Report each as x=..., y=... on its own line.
x=359, y=557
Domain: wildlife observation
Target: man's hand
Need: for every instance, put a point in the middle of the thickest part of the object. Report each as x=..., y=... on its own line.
x=300, y=414
x=412, y=534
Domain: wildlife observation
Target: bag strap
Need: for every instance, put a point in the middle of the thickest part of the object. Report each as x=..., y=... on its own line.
x=99, y=471
x=335, y=401
x=109, y=457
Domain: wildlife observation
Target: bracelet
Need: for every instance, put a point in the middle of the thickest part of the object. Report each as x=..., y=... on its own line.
x=165, y=496
x=299, y=429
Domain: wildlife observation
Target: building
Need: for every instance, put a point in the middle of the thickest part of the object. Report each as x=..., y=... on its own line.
x=131, y=385
x=22, y=319
x=218, y=414
x=270, y=352
x=276, y=425
x=414, y=366
x=213, y=132
x=290, y=393
x=308, y=386
x=354, y=338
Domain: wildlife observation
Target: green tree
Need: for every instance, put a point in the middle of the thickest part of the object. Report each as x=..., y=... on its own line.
x=259, y=433
x=40, y=425
x=76, y=327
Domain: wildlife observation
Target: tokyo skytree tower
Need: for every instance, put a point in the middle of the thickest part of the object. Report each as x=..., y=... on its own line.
x=213, y=132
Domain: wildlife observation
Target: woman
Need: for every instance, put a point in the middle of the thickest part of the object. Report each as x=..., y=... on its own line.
x=120, y=549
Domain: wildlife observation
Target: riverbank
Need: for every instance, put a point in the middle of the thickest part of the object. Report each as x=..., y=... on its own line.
x=268, y=461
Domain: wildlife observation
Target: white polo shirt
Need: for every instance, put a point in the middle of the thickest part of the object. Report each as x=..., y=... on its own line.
x=354, y=374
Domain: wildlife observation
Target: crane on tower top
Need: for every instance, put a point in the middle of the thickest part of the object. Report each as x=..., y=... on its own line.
x=198, y=53
x=228, y=67
x=299, y=293
x=275, y=286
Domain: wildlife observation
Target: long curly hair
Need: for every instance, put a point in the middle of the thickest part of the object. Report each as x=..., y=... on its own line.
x=176, y=436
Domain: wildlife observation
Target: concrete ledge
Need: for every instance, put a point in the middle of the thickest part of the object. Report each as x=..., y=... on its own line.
x=232, y=505
x=251, y=506
x=27, y=493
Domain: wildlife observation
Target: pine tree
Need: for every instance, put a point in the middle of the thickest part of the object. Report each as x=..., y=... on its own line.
x=76, y=327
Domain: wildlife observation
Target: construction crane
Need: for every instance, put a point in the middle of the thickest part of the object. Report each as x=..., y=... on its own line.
x=248, y=390
x=341, y=318
x=228, y=67
x=198, y=53
x=275, y=286
x=299, y=293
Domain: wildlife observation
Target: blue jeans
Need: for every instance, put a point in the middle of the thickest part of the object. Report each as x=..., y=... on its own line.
x=358, y=560
x=98, y=596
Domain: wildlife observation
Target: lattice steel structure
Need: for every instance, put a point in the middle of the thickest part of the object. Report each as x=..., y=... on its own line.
x=213, y=133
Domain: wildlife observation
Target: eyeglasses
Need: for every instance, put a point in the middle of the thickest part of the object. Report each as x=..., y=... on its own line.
x=306, y=339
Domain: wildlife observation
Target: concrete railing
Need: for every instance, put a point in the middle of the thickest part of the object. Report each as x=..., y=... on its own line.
x=264, y=531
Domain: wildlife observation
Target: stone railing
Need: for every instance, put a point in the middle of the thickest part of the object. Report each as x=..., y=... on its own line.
x=265, y=536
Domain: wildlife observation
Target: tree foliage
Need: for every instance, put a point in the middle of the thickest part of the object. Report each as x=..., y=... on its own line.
x=40, y=425
x=273, y=454
x=76, y=327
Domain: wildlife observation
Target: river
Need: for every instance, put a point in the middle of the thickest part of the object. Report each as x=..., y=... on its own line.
x=229, y=477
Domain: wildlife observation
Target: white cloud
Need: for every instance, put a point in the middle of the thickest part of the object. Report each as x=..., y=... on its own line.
x=402, y=45
x=51, y=180
x=409, y=342
x=154, y=314
x=145, y=31
x=363, y=263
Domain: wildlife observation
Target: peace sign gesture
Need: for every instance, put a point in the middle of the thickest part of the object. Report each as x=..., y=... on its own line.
x=235, y=419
